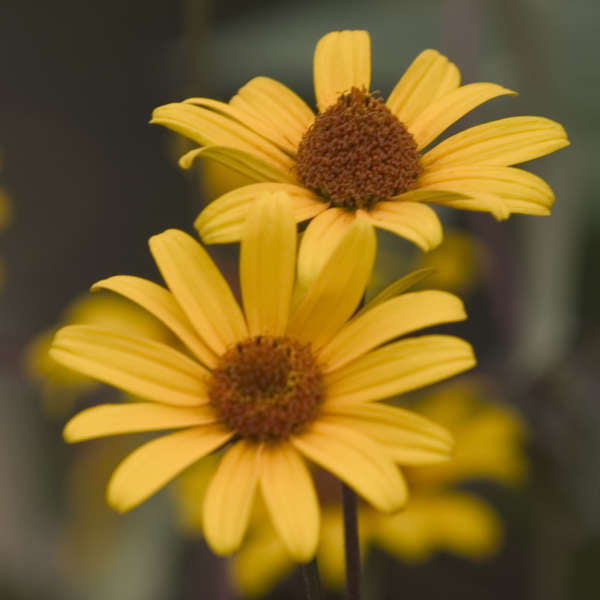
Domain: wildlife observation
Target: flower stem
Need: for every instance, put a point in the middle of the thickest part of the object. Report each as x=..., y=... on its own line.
x=312, y=584
x=349, y=503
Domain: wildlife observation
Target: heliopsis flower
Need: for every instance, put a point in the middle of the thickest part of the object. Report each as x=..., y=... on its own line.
x=60, y=386
x=361, y=157
x=488, y=445
x=270, y=385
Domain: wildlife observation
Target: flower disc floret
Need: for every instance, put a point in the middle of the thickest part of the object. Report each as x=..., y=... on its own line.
x=267, y=388
x=357, y=153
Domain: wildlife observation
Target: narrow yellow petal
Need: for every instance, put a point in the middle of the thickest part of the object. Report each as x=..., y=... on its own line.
x=283, y=114
x=154, y=464
x=342, y=61
x=498, y=143
x=398, y=287
x=210, y=128
x=222, y=220
x=519, y=191
x=391, y=319
x=230, y=496
x=413, y=221
x=399, y=367
x=114, y=419
x=145, y=368
x=319, y=240
x=290, y=496
x=361, y=462
x=162, y=304
x=267, y=263
x=409, y=438
x=445, y=111
x=248, y=164
x=199, y=288
x=429, y=77
x=338, y=288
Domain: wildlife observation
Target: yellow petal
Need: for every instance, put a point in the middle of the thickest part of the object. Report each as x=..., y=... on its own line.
x=222, y=220
x=154, y=464
x=356, y=459
x=342, y=61
x=230, y=496
x=319, y=240
x=429, y=77
x=391, y=319
x=290, y=496
x=410, y=220
x=409, y=438
x=498, y=143
x=252, y=166
x=284, y=115
x=210, y=128
x=267, y=263
x=439, y=115
x=162, y=304
x=199, y=288
x=141, y=367
x=338, y=288
x=113, y=419
x=399, y=367
x=398, y=287
x=519, y=191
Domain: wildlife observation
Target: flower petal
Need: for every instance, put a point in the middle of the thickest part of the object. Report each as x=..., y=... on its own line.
x=222, y=220
x=409, y=438
x=161, y=303
x=498, y=143
x=114, y=419
x=389, y=320
x=319, y=240
x=338, y=288
x=399, y=367
x=199, y=288
x=430, y=76
x=283, y=113
x=398, y=287
x=230, y=496
x=356, y=459
x=250, y=165
x=210, y=128
x=267, y=263
x=439, y=115
x=141, y=367
x=291, y=499
x=413, y=221
x=342, y=61
x=519, y=191
x=154, y=464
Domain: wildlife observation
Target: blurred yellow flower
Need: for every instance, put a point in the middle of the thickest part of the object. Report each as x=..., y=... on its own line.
x=272, y=384
x=362, y=158
x=489, y=444
x=61, y=386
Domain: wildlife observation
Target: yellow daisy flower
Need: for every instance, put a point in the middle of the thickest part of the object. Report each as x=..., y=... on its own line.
x=362, y=158
x=272, y=384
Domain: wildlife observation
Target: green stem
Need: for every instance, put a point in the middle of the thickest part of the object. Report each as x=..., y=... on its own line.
x=349, y=503
x=312, y=584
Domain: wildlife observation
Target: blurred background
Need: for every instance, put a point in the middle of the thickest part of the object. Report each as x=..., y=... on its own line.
x=84, y=181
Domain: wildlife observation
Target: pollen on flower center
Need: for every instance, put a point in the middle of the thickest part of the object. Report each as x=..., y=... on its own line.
x=266, y=387
x=357, y=153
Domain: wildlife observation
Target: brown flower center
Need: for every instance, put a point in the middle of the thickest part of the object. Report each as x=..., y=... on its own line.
x=267, y=388
x=357, y=153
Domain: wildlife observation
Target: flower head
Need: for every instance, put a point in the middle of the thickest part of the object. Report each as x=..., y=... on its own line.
x=364, y=158
x=291, y=376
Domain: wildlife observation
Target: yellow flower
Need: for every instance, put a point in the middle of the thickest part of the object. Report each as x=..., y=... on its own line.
x=276, y=382
x=489, y=444
x=61, y=386
x=362, y=158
